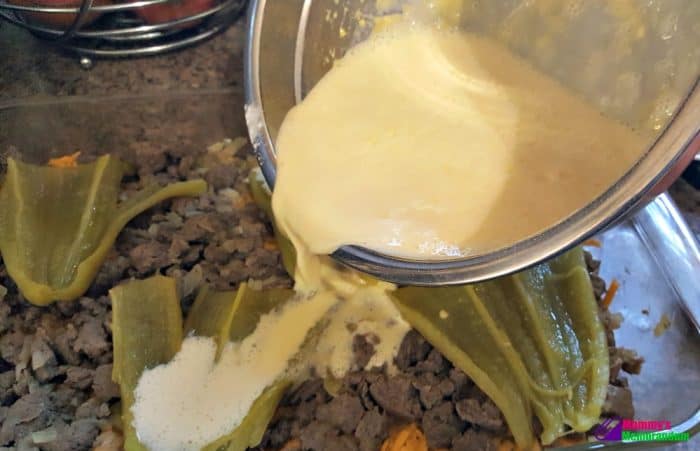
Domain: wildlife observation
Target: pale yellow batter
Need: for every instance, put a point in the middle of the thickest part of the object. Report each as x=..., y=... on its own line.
x=431, y=144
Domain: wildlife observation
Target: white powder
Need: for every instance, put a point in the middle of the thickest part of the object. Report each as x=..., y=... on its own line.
x=193, y=400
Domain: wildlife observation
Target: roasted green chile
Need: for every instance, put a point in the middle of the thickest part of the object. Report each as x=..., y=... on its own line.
x=57, y=224
x=230, y=316
x=148, y=331
x=531, y=341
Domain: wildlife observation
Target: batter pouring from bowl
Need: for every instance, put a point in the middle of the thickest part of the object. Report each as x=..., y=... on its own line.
x=429, y=144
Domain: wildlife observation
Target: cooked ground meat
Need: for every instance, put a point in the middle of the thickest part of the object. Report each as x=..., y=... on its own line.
x=428, y=391
x=362, y=349
x=618, y=402
x=483, y=414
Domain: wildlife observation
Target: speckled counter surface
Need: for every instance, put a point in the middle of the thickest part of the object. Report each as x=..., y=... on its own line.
x=191, y=98
x=28, y=68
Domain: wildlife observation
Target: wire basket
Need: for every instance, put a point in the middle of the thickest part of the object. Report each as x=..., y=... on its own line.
x=122, y=28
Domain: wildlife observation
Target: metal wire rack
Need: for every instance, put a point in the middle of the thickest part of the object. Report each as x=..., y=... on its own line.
x=121, y=28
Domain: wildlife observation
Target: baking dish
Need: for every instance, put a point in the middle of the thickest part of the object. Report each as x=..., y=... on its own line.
x=653, y=254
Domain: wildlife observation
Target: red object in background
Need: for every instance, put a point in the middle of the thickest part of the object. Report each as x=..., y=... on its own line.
x=174, y=10
x=59, y=21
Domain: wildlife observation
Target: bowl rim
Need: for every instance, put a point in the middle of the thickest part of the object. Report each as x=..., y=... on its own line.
x=680, y=136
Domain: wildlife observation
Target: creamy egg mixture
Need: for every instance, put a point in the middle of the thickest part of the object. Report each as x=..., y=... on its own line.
x=433, y=144
x=419, y=143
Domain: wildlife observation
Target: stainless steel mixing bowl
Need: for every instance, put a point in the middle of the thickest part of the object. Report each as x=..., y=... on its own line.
x=637, y=61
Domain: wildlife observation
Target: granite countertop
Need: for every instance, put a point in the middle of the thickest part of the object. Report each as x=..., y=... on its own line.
x=30, y=68
x=193, y=97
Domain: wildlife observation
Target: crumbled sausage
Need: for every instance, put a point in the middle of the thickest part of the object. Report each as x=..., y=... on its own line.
x=397, y=396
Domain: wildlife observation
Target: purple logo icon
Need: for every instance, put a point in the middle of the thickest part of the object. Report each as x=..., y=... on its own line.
x=610, y=430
